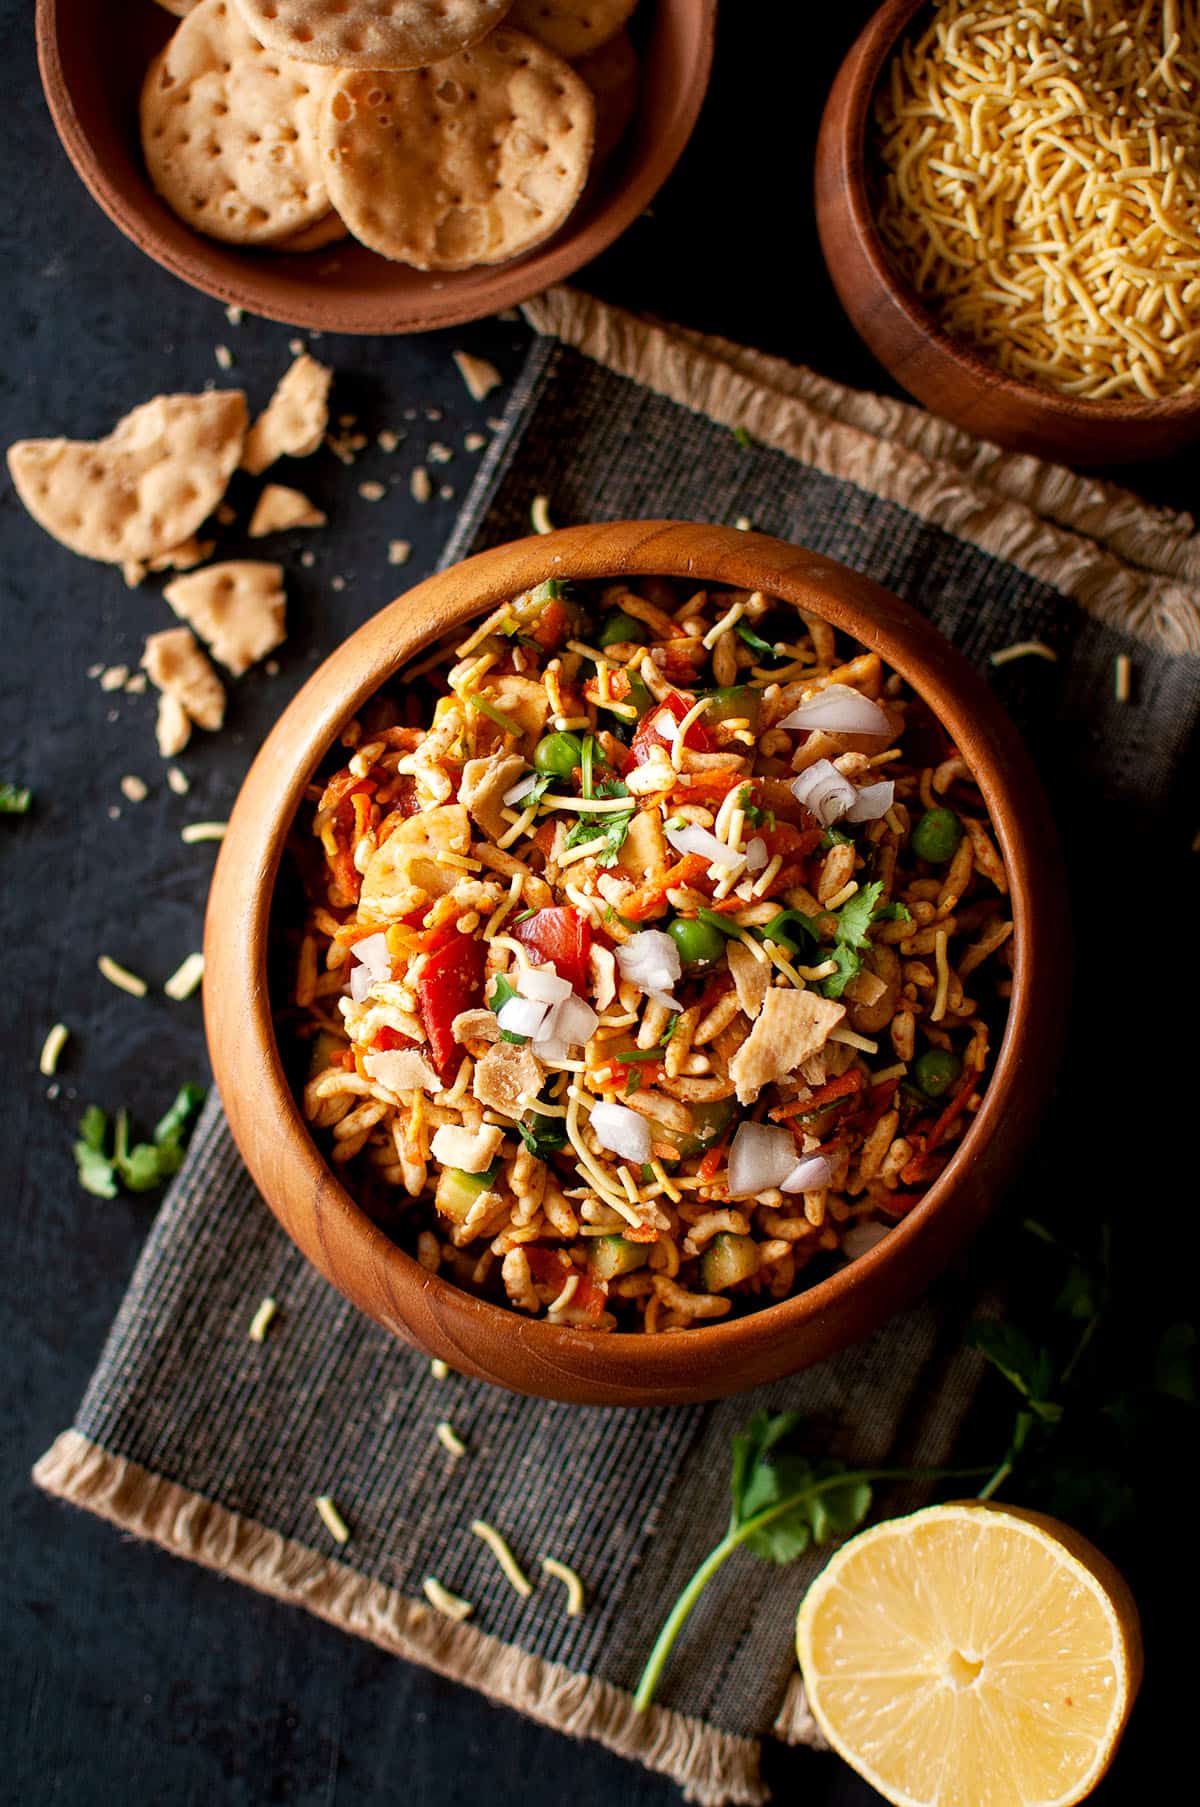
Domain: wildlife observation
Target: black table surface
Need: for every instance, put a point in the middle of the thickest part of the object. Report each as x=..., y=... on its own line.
x=125, y=1675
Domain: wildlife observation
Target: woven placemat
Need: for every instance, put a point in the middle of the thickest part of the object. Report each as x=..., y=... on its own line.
x=216, y=1447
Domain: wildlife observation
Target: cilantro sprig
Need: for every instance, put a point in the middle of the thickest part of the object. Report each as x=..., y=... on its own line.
x=143, y=1166
x=782, y=1504
x=15, y=799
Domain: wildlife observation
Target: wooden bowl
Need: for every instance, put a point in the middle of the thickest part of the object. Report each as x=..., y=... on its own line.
x=940, y=371
x=486, y=1340
x=92, y=63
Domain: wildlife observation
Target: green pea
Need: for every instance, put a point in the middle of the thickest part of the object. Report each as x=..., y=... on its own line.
x=558, y=755
x=935, y=1071
x=936, y=836
x=698, y=944
x=621, y=628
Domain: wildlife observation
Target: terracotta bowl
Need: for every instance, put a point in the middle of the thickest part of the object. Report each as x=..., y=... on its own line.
x=93, y=57
x=902, y=333
x=486, y=1340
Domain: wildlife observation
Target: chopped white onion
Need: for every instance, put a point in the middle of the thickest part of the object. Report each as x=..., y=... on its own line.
x=360, y=983
x=871, y=802
x=665, y=999
x=860, y=1238
x=521, y=1016
x=839, y=710
x=622, y=1131
x=760, y=1158
x=756, y=854
x=825, y=792
x=808, y=1175
x=691, y=838
x=375, y=955
x=650, y=960
x=573, y=1021
x=521, y=788
x=551, y=1050
x=664, y=723
x=544, y=984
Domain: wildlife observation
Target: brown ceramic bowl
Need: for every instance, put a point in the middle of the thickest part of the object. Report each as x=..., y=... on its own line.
x=487, y=1340
x=902, y=333
x=93, y=57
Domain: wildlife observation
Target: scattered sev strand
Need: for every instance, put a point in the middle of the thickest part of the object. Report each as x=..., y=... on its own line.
x=332, y=1519
x=257, y=1332
x=121, y=977
x=451, y=1606
x=52, y=1047
x=539, y=515
x=513, y=1572
x=1023, y=649
x=185, y=978
x=1122, y=677
x=439, y=1369
x=576, y=1597
x=203, y=831
x=449, y=1438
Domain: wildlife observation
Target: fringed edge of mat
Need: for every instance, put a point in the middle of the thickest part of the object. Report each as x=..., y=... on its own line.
x=712, y=1767
x=1159, y=611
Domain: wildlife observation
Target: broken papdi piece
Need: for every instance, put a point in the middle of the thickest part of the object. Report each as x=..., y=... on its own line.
x=192, y=691
x=402, y=1070
x=368, y=34
x=479, y=376
x=470, y=167
x=142, y=492
x=506, y=1078
x=470, y=1150
x=751, y=978
x=280, y=508
x=237, y=607
x=790, y=1026
x=292, y=425
x=484, y=782
x=193, y=552
x=572, y=27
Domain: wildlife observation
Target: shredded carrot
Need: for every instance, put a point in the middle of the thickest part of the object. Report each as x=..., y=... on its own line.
x=710, y=1166
x=844, y=1086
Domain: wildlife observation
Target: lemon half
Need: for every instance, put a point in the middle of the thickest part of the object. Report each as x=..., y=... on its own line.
x=971, y=1656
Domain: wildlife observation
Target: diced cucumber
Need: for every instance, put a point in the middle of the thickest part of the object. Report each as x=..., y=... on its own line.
x=611, y=1256
x=458, y=1190
x=709, y=1123
x=738, y=702
x=727, y=1261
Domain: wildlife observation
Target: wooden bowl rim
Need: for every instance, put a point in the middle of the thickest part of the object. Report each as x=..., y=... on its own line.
x=438, y=298
x=243, y=889
x=870, y=53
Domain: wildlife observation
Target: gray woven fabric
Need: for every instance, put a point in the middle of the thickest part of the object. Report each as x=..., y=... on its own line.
x=331, y=1404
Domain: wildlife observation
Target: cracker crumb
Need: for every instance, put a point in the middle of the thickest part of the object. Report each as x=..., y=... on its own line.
x=341, y=447
x=135, y=685
x=272, y=668
x=226, y=515
x=308, y=559
x=135, y=788
x=399, y=552
x=433, y=414
x=372, y=492
x=474, y=442
x=446, y=492
x=439, y=1369
x=94, y=671
x=743, y=523
x=224, y=356
x=114, y=813
x=439, y=453
x=495, y=423
x=386, y=440
x=257, y=1332
x=235, y=314
x=178, y=781
x=297, y=347
x=410, y=414
x=337, y=583
x=479, y=376
x=113, y=677
x=420, y=486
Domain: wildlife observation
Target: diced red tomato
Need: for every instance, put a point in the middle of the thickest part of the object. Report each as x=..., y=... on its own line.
x=386, y=1039
x=553, y=626
x=649, y=733
x=552, y=1268
x=650, y=899
x=451, y=982
x=564, y=937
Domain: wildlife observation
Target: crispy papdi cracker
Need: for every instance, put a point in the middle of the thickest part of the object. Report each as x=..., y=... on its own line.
x=791, y=1026
x=238, y=607
x=371, y=34
x=470, y=162
x=292, y=425
x=280, y=508
x=184, y=557
x=192, y=691
x=180, y=8
x=572, y=27
x=228, y=131
x=146, y=488
x=506, y=1077
x=612, y=75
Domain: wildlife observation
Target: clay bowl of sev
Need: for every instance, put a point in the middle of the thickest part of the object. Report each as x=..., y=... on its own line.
x=93, y=57
x=488, y=1340
x=940, y=371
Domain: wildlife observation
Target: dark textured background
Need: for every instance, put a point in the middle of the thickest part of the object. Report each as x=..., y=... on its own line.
x=125, y=1676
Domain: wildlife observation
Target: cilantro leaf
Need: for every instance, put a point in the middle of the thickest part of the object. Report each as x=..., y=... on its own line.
x=849, y=963
x=543, y=1136
x=94, y=1167
x=754, y=641
x=1026, y=1365
x=145, y=1165
x=835, y=837
x=609, y=830
x=851, y=932
x=171, y=1126
x=854, y=917
x=15, y=799
x=742, y=437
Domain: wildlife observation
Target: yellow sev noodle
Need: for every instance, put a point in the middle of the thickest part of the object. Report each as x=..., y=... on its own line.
x=1041, y=187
